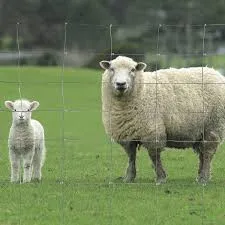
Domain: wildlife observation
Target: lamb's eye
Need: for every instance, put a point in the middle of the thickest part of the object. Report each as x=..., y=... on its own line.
x=132, y=70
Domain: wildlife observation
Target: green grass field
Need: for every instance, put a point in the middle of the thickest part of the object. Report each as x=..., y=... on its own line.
x=78, y=177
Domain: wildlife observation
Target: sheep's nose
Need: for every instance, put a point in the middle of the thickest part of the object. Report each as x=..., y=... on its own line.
x=21, y=116
x=121, y=85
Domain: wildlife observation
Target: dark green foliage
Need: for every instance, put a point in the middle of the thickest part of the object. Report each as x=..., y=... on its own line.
x=42, y=21
x=128, y=49
x=47, y=59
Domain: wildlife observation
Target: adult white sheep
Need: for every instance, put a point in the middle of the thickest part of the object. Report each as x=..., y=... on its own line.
x=26, y=141
x=178, y=108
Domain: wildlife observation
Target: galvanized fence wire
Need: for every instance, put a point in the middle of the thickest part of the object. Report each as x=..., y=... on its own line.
x=111, y=186
x=62, y=149
x=63, y=109
x=20, y=97
x=156, y=116
x=203, y=106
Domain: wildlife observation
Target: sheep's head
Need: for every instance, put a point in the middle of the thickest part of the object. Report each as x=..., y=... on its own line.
x=122, y=72
x=21, y=110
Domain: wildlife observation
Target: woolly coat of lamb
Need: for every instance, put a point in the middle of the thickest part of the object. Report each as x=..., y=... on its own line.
x=177, y=108
x=26, y=141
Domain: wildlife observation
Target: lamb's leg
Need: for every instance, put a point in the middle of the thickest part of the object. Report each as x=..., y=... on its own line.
x=15, y=166
x=207, y=150
x=37, y=165
x=27, y=165
x=130, y=148
x=156, y=160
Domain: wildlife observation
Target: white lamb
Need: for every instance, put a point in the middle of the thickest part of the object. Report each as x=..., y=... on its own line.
x=178, y=108
x=26, y=141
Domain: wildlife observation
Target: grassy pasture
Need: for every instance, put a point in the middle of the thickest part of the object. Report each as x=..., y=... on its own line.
x=78, y=184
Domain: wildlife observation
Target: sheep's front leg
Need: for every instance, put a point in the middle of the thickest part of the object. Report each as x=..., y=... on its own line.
x=27, y=166
x=156, y=160
x=15, y=166
x=130, y=148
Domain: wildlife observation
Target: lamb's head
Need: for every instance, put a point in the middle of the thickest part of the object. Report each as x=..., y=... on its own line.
x=21, y=110
x=121, y=73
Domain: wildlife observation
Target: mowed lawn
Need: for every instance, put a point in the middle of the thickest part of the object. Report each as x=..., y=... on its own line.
x=79, y=185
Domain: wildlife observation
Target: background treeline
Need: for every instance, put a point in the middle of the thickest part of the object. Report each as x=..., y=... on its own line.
x=135, y=30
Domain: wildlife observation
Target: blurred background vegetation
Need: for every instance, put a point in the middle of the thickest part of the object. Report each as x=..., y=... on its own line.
x=181, y=40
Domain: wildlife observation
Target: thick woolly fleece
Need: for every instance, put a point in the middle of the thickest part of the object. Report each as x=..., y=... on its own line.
x=26, y=141
x=170, y=107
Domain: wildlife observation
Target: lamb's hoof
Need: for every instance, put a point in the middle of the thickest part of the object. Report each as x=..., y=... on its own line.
x=160, y=181
x=26, y=181
x=15, y=181
x=36, y=180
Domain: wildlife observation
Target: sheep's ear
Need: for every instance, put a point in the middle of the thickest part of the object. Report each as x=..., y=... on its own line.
x=140, y=66
x=34, y=105
x=9, y=105
x=105, y=64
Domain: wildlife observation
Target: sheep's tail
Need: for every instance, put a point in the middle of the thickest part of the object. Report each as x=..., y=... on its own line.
x=139, y=146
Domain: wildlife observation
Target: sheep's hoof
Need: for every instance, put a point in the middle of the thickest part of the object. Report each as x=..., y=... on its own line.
x=202, y=180
x=118, y=179
x=160, y=181
x=128, y=179
x=125, y=179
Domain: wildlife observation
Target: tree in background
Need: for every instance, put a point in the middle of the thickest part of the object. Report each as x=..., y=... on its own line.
x=135, y=25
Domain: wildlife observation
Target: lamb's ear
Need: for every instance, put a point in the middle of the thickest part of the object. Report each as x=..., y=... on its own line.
x=104, y=64
x=9, y=105
x=140, y=66
x=34, y=105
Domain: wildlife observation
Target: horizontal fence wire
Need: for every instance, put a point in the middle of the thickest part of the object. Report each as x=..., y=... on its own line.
x=108, y=111
x=88, y=83
x=68, y=139
x=91, y=52
x=106, y=26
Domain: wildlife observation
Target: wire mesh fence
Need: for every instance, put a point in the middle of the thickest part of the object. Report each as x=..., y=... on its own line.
x=82, y=164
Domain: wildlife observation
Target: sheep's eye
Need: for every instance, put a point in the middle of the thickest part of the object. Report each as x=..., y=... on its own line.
x=111, y=70
x=28, y=110
x=14, y=110
x=132, y=70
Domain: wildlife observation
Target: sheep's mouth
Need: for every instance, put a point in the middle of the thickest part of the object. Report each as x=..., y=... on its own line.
x=121, y=89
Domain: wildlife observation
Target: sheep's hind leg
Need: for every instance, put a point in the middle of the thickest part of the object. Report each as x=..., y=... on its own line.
x=207, y=151
x=157, y=164
x=130, y=148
